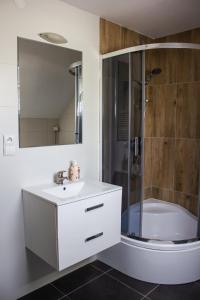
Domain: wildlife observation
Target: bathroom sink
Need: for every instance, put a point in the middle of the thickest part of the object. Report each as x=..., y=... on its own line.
x=51, y=212
x=71, y=191
x=66, y=191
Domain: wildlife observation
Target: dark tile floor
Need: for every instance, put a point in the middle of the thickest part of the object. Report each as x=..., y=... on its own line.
x=98, y=281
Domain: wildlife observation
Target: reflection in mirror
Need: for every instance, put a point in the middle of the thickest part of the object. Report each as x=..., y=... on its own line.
x=50, y=92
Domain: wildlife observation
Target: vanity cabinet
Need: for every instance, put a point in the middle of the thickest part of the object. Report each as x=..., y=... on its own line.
x=66, y=232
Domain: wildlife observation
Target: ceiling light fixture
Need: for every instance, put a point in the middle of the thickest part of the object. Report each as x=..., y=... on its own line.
x=20, y=3
x=52, y=37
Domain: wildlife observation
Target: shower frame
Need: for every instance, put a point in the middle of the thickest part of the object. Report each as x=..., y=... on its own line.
x=142, y=48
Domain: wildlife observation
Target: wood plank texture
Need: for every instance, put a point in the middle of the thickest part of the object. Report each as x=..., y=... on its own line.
x=172, y=114
x=164, y=110
x=147, y=162
x=187, y=166
x=188, y=111
x=163, y=162
x=115, y=37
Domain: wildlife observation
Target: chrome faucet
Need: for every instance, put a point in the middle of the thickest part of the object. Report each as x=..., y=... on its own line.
x=59, y=177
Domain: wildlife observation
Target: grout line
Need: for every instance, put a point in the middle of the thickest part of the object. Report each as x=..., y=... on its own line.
x=57, y=289
x=64, y=297
x=173, y=137
x=173, y=83
x=171, y=190
x=86, y=283
x=131, y=288
x=152, y=290
x=98, y=269
x=143, y=298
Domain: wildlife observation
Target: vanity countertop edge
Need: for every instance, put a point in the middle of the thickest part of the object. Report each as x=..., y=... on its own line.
x=38, y=190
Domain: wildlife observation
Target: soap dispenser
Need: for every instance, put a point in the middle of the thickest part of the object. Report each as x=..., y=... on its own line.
x=74, y=171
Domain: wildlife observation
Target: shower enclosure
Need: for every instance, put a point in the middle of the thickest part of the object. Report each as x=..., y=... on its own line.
x=75, y=70
x=123, y=109
x=151, y=147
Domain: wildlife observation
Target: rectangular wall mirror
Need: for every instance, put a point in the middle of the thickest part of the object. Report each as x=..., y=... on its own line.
x=50, y=94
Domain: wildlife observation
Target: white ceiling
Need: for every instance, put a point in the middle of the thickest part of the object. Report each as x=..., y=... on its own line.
x=153, y=18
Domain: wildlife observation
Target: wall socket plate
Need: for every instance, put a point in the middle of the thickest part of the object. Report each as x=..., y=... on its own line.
x=9, y=145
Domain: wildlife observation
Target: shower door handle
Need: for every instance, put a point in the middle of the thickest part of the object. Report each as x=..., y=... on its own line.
x=136, y=146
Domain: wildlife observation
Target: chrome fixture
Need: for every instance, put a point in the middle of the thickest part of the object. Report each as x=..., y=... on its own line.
x=53, y=37
x=149, y=76
x=73, y=66
x=56, y=130
x=75, y=69
x=152, y=73
x=59, y=177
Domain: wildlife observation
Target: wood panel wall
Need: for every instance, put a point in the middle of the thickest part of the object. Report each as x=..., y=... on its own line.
x=190, y=36
x=172, y=123
x=115, y=37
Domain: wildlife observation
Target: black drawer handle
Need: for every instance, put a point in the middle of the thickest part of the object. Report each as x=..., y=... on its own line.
x=94, y=207
x=93, y=237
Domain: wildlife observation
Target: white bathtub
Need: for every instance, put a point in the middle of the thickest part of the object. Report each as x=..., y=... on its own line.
x=163, y=261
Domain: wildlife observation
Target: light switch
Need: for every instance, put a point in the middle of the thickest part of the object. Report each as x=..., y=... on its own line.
x=9, y=145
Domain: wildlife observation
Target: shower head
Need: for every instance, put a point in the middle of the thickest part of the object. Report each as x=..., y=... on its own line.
x=152, y=73
x=156, y=71
x=73, y=66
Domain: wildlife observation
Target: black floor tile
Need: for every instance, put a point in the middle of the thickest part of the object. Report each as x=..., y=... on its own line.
x=189, y=291
x=73, y=280
x=101, y=266
x=105, y=288
x=141, y=286
x=46, y=292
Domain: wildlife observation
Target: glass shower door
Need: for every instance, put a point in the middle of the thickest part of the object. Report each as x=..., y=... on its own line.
x=122, y=134
x=198, y=213
x=115, y=112
x=136, y=112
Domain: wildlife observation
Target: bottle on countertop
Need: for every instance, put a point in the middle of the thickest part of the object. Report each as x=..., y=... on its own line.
x=74, y=171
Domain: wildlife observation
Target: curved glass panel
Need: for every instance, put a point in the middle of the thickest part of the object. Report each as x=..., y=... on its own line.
x=171, y=137
x=153, y=102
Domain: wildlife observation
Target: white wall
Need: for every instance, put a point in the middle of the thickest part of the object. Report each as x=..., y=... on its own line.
x=21, y=272
x=45, y=80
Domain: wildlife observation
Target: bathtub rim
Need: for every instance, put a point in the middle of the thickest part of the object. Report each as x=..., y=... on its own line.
x=155, y=265
x=155, y=243
x=161, y=246
x=177, y=207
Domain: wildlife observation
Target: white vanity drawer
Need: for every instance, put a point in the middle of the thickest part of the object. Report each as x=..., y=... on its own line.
x=65, y=232
x=88, y=227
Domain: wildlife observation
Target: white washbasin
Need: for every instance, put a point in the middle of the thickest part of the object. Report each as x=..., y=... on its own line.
x=66, y=191
x=71, y=191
